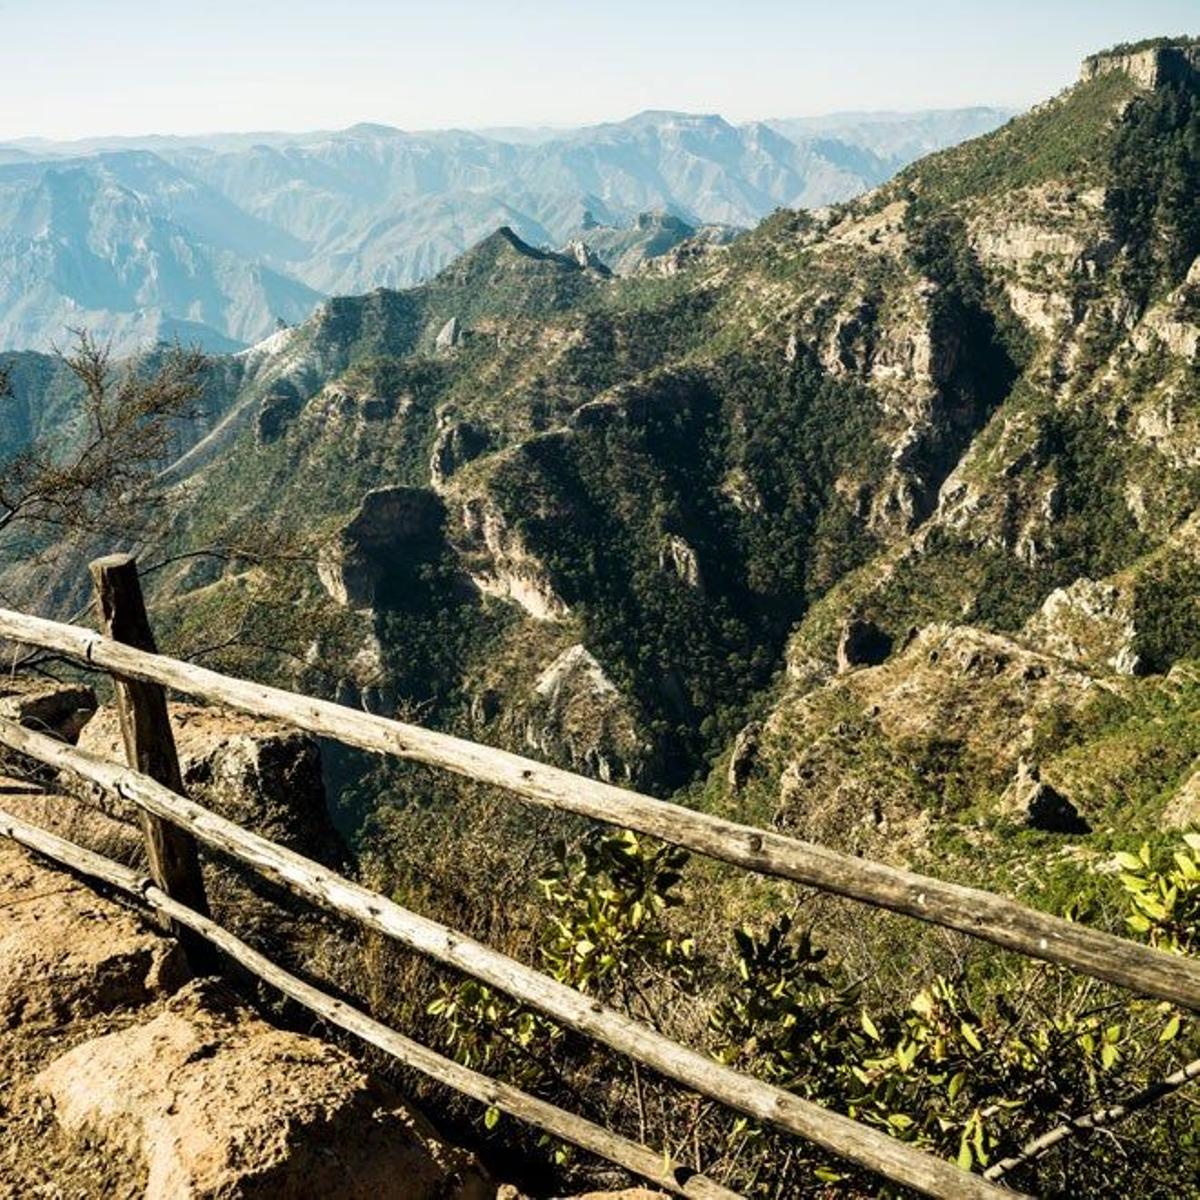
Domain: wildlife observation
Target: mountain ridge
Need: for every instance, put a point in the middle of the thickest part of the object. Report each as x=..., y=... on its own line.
x=341, y=212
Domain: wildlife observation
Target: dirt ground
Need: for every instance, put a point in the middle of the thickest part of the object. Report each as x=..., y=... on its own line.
x=36, y=1159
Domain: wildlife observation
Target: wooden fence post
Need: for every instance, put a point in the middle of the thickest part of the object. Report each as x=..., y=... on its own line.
x=150, y=747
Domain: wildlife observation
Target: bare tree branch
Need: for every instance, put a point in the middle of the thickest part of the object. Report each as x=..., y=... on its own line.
x=98, y=477
x=1095, y=1120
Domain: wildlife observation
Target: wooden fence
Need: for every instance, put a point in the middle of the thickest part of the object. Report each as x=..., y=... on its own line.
x=173, y=825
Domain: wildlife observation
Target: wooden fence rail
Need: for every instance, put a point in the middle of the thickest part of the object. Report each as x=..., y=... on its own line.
x=842, y=1136
x=174, y=825
x=657, y=1168
x=982, y=914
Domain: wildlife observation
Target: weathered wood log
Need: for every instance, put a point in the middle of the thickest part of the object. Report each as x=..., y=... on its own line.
x=860, y=1144
x=985, y=915
x=656, y=1168
x=150, y=744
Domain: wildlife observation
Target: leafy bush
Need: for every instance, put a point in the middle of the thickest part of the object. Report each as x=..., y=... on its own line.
x=957, y=1067
x=1165, y=901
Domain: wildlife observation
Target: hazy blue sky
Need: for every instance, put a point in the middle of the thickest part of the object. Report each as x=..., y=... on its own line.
x=77, y=67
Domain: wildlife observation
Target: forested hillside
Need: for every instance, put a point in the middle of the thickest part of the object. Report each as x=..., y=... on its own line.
x=877, y=524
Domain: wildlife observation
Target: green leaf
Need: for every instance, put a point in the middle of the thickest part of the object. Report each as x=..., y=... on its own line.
x=1186, y=866
x=965, y=1159
x=491, y=1118
x=1170, y=1030
x=971, y=1037
x=869, y=1027
x=1130, y=862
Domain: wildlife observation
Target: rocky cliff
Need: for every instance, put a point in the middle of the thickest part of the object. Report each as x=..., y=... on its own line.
x=966, y=397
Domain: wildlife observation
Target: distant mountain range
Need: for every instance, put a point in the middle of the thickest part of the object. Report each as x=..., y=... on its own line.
x=218, y=239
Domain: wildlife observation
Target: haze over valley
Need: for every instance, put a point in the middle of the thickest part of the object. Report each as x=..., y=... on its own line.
x=217, y=240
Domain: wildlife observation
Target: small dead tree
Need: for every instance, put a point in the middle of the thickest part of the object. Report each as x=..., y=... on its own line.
x=96, y=476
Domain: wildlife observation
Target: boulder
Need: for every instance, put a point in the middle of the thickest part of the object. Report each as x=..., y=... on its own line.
x=66, y=953
x=219, y=1103
x=1043, y=807
x=862, y=644
x=47, y=705
x=261, y=774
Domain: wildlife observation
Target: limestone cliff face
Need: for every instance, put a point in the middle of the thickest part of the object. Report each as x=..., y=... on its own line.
x=500, y=564
x=1149, y=68
x=390, y=522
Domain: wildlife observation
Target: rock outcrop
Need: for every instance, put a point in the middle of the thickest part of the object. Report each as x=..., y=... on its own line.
x=260, y=774
x=678, y=558
x=500, y=564
x=864, y=756
x=744, y=755
x=1149, y=67
x=585, y=256
x=578, y=717
x=219, y=1103
x=456, y=444
x=449, y=336
x=1183, y=809
x=118, y=1077
x=277, y=409
x=390, y=522
x=1040, y=805
x=1089, y=621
